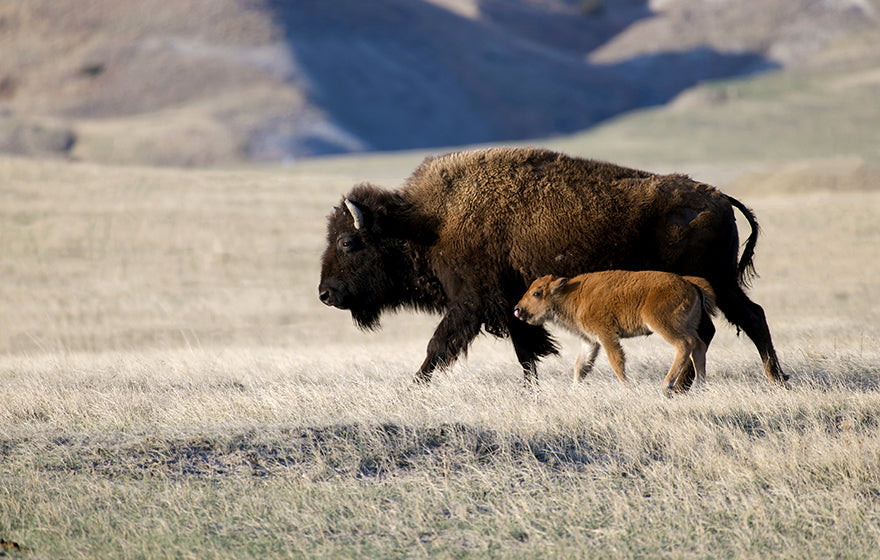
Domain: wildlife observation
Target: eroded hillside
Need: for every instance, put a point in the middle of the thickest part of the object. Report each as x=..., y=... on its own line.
x=206, y=82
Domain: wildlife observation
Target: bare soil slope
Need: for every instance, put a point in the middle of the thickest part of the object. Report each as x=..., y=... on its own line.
x=201, y=82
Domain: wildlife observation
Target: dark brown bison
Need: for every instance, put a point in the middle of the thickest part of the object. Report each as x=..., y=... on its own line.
x=468, y=232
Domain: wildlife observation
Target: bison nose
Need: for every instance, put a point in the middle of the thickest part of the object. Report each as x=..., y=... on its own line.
x=324, y=296
x=330, y=294
x=517, y=312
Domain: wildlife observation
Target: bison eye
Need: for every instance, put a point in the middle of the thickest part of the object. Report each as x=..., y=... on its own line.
x=537, y=293
x=347, y=243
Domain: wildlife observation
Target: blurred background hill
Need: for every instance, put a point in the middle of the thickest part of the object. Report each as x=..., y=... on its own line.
x=220, y=82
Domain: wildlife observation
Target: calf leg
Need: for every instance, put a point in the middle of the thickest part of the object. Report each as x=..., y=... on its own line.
x=749, y=316
x=615, y=356
x=683, y=350
x=706, y=332
x=585, y=360
x=698, y=357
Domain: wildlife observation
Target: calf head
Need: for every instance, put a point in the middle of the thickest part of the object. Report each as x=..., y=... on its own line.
x=537, y=305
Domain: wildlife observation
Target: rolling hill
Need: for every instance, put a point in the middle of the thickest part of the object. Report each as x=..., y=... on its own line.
x=214, y=82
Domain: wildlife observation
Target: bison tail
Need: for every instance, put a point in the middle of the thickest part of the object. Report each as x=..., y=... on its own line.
x=707, y=294
x=745, y=270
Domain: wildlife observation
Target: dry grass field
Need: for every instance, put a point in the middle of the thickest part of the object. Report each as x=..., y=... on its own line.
x=171, y=387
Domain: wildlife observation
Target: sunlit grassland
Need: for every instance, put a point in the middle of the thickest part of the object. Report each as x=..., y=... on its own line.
x=171, y=387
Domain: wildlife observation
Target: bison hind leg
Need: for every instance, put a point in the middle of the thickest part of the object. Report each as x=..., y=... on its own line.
x=749, y=316
x=531, y=343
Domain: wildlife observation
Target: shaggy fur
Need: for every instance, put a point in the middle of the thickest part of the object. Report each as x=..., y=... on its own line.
x=603, y=307
x=467, y=229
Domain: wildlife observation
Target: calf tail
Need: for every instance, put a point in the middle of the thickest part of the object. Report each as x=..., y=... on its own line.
x=707, y=294
x=746, y=268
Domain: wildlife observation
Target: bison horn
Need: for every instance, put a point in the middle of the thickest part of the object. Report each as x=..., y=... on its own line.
x=355, y=214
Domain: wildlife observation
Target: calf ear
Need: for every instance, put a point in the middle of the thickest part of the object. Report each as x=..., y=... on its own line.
x=557, y=285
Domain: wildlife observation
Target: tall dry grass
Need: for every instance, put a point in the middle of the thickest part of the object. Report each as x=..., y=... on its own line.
x=172, y=388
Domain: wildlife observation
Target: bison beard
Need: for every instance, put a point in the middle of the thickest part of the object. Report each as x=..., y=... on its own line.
x=468, y=232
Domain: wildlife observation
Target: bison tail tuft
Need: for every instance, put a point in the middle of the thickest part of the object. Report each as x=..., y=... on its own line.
x=745, y=270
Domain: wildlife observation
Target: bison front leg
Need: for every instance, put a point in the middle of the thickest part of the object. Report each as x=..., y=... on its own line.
x=452, y=336
x=530, y=344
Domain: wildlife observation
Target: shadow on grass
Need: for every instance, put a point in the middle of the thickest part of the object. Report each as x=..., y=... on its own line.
x=379, y=451
x=836, y=397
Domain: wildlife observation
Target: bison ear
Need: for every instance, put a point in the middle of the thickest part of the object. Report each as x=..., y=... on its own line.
x=557, y=286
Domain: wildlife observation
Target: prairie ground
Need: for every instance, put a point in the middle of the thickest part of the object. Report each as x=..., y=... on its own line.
x=171, y=387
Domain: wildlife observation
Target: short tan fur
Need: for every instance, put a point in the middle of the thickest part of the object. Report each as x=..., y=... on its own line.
x=603, y=307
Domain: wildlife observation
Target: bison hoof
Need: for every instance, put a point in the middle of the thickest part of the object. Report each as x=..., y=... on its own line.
x=422, y=378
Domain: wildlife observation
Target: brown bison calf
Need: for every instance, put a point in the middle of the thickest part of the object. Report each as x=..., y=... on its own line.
x=603, y=307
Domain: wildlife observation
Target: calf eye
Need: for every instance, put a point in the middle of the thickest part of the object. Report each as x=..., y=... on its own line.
x=536, y=294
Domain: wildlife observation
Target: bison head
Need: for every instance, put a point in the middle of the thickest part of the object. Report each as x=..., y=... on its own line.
x=367, y=266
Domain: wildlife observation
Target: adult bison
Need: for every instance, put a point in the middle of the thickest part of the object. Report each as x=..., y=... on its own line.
x=468, y=231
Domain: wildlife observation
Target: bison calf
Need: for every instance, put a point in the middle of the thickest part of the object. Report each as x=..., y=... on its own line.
x=603, y=307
